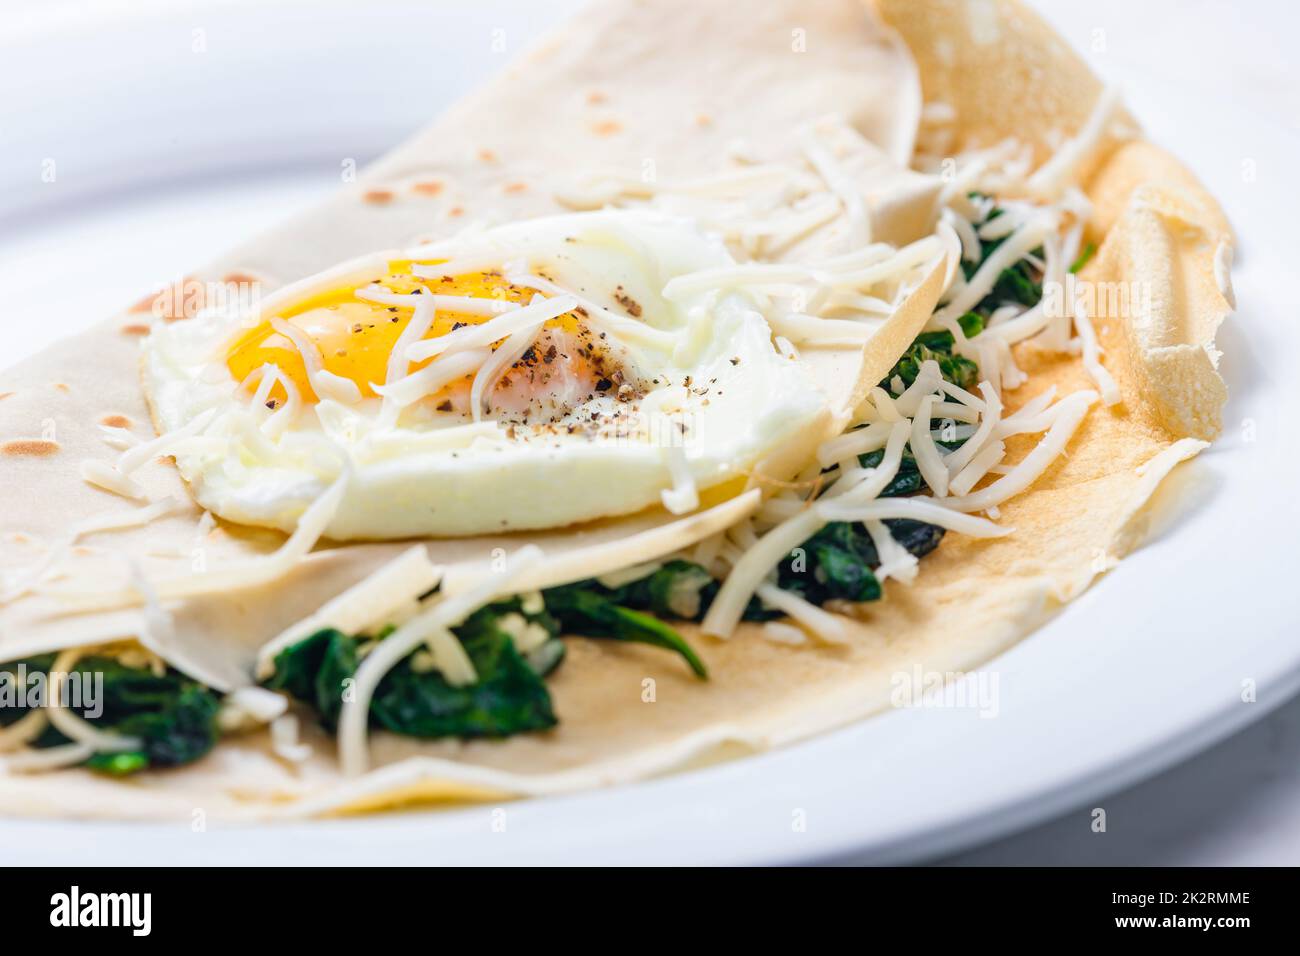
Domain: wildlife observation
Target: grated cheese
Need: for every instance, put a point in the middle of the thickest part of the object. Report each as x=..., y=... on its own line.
x=1068, y=414
x=493, y=367
x=683, y=497
x=533, y=315
x=367, y=603
x=915, y=509
x=895, y=560
x=928, y=460
x=323, y=382
x=1092, y=356
x=822, y=624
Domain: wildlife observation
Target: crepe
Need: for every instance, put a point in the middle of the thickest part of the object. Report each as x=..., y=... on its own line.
x=623, y=82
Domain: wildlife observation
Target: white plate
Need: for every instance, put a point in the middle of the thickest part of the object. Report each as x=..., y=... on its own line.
x=164, y=154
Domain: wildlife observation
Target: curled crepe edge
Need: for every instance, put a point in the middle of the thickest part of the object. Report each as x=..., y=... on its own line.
x=1167, y=242
x=1156, y=223
x=966, y=51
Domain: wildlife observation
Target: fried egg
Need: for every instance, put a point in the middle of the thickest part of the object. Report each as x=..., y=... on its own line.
x=528, y=376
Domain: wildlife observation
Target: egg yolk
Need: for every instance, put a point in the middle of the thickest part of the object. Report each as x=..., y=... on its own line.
x=356, y=337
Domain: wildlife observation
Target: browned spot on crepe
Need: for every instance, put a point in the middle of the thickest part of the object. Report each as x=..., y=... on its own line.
x=4, y=395
x=596, y=97
x=30, y=448
x=487, y=156
x=145, y=304
x=62, y=386
x=515, y=187
x=456, y=211
x=134, y=329
x=180, y=300
x=607, y=127
x=430, y=187
x=116, y=421
x=377, y=195
x=704, y=119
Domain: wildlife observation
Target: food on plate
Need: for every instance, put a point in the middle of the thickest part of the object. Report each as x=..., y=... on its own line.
x=665, y=401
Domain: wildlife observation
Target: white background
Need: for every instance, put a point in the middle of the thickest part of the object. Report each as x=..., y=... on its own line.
x=1237, y=803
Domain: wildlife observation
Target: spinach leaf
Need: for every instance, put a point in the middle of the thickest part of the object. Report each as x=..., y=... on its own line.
x=917, y=537
x=1017, y=283
x=174, y=717
x=509, y=697
x=582, y=609
x=957, y=369
x=938, y=347
x=836, y=563
x=907, y=481
x=680, y=589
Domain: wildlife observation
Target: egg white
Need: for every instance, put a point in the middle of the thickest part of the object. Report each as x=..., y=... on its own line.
x=719, y=391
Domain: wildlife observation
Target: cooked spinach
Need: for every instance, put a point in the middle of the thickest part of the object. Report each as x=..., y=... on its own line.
x=679, y=590
x=509, y=696
x=836, y=564
x=174, y=717
x=583, y=609
x=840, y=559
x=1018, y=283
x=938, y=347
x=907, y=480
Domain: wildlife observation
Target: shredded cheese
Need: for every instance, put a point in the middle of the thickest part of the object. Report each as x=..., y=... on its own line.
x=915, y=509
x=367, y=603
x=841, y=184
x=284, y=739
x=533, y=315
x=683, y=497
x=822, y=624
x=928, y=460
x=427, y=381
x=991, y=413
x=895, y=560
x=323, y=382
x=1068, y=413
x=509, y=352
x=1092, y=356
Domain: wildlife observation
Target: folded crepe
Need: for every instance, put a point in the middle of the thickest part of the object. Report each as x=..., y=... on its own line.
x=907, y=128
